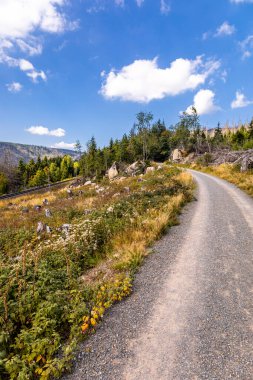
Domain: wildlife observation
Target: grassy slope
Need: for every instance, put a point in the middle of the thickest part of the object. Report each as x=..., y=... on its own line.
x=55, y=288
x=230, y=173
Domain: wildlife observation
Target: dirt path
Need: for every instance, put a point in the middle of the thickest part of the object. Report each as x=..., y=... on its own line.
x=191, y=313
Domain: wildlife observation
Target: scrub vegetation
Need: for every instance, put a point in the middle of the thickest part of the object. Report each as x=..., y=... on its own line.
x=56, y=285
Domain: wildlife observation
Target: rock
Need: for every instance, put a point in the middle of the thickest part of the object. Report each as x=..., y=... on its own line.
x=150, y=169
x=116, y=195
x=48, y=229
x=37, y=207
x=65, y=228
x=189, y=158
x=69, y=193
x=136, y=168
x=140, y=180
x=110, y=209
x=113, y=171
x=127, y=189
x=41, y=227
x=45, y=201
x=87, y=212
x=25, y=210
x=246, y=164
x=80, y=192
x=48, y=213
x=177, y=155
x=159, y=167
x=87, y=183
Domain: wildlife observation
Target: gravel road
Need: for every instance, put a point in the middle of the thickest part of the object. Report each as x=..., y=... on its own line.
x=191, y=313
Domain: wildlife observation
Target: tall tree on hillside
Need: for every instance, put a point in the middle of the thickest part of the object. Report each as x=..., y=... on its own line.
x=78, y=148
x=143, y=126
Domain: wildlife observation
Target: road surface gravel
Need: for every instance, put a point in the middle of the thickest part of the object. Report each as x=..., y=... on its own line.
x=191, y=312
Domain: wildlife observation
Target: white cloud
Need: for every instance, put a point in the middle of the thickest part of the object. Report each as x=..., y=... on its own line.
x=63, y=145
x=33, y=47
x=204, y=103
x=225, y=29
x=143, y=81
x=43, y=131
x=164, y=7
x=25, y=65
x=20, y=23
x=34, y=75
x=247, y=46
x=240, y=101
x=139, y=2
x=19, y=18
x=14, y=87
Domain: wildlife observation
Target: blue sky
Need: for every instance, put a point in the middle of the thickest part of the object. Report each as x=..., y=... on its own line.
x=73, y=69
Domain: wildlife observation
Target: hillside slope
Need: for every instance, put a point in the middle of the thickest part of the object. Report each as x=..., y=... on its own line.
x=12, y=152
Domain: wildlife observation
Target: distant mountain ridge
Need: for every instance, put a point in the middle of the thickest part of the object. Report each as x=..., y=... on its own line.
x=13, y=152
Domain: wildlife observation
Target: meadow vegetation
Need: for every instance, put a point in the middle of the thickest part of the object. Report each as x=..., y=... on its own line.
x=56, y=287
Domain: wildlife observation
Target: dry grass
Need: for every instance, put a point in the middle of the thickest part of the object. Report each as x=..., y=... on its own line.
x=232, y=174
x=129, y=249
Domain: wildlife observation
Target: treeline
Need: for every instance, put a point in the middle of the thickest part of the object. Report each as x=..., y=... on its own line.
x=37, y=173
x=147, y=140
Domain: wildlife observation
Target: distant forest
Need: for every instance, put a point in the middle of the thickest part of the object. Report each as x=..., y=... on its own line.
x=148, y=140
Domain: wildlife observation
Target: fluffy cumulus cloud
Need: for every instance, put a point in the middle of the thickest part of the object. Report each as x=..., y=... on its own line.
x=21, y=21
x=240, y=101
x=225, y=29
x=14, y=87
x=143, y=81
x=43, y=131
x=63, y=145
x=204, y=103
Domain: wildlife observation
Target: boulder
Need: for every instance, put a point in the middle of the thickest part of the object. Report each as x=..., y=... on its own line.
x=69, y=193
x=150, y=169
x=113, y=171
x=136, y=168
x=48, y=229
x=177, y=155
x=48, y=213
x=41, y=227
x=65, y=228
